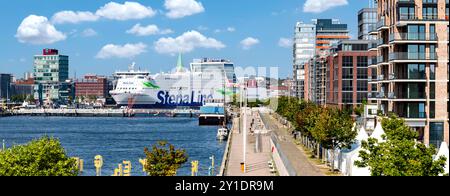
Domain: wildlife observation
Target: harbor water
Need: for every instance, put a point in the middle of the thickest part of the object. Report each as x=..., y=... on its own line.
x=118, y=139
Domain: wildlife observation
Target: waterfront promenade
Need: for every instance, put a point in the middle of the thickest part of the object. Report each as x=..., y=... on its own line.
x=295, y=156
x=257, y=155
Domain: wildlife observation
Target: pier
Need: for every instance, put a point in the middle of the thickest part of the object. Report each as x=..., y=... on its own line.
x=107, y=112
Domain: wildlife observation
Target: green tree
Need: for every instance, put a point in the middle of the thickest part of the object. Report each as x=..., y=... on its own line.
x=42, y=157
x=400, y=155
x=334, y=129
x=164, y=159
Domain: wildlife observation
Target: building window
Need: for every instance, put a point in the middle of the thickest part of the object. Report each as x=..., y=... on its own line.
x=347, y=97
x=347, y=85
x=436, y=133
x=429, y=12
x=347, y=61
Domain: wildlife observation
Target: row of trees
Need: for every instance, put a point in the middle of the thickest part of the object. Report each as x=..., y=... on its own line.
x=22, y=98
x=47, y=157
x=329, y=128
x=398, y=155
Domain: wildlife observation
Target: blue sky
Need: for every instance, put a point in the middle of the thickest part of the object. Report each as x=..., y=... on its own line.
x=96, y=34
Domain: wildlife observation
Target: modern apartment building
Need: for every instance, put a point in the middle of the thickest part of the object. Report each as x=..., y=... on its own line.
x=412, y=65
x=347, y=84
x=328, y=34
x=304, y=50
x=50, y=71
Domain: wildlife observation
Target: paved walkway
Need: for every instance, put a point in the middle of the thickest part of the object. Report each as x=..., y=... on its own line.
x=256, y=158
x=297, y=158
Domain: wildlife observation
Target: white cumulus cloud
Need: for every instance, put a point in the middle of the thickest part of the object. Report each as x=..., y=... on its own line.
x=248, y=42
x=148, y=30
x=73, y=17
x=126, y=11
x=182, y=8
x=318, y=6
x=121, y=51
x=89, y=33
x=285, y=42
x=186, y=43
x=38, y=30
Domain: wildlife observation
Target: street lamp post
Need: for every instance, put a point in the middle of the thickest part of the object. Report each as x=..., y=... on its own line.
x=245, y=130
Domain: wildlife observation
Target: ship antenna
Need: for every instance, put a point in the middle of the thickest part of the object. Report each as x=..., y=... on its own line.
x=131, y=67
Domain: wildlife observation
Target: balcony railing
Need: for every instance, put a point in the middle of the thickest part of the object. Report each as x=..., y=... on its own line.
x=381, y=59
x=373, y=61
x=407, y=17
x=373, y=45
x=372, y=28
x=411, y=56
x=381, y=23
x=412, y=115
x=430, y=17
x=406, y=76
x=413, y=36
x=381, y=42
x=418, y=95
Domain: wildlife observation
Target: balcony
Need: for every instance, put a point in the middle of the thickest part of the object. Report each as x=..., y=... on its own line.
x=407, y=17
x=373, y=30
x=396, y=37
x=373, y=45
x=380, y=78
x=408, y=77
x=382, y=60
x=373, y=61
x=407, y=56
x=412, y=115
x=372, y=95
x=382, y=95
x=381, y=24
x=382, y=43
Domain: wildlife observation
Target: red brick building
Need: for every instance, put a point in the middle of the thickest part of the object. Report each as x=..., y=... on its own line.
x=92, y=85
x=348, y=74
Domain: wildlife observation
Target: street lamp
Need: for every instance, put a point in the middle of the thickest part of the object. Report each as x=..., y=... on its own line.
x=245, y=129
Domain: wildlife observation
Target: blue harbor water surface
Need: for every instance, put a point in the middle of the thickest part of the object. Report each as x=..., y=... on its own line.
x=118, y=139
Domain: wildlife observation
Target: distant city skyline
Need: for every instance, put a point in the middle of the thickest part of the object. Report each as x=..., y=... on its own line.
x=101, y=37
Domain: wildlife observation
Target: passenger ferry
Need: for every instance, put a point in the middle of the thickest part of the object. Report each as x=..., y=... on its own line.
x=181, y=88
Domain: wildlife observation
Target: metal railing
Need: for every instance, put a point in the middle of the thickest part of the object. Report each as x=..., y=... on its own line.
x=381, y=42
x=381, y=23
x=413, y=36
x=381, y=59
x=412, y=115
x=412, y=56
x=373, y=61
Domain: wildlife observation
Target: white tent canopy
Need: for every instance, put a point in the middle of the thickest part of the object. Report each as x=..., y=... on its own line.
x=378, y=132
x=443, y=151
x=362, y=134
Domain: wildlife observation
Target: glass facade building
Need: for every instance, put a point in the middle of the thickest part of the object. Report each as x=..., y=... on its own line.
x=304, y=50
x=50, y=70
x=367, y=20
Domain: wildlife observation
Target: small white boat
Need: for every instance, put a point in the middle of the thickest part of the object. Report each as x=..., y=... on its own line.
x=222, y=133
